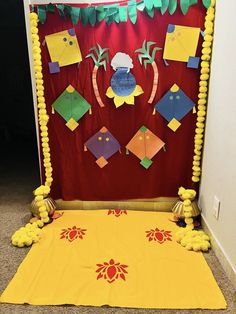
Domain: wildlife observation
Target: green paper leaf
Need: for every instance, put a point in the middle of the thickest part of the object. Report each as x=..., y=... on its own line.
x=148, y=5
x=123, y=13
x=42, y=14
x=103, y=63
x=92, y=15
x=184, y=5
x=109, y=19
x=84, y=16
x=105, y=56
x=117, y=17
x=101, y=14
x=192, y=2
x=67, y=9
x=61, y=8
x=157, y=3
x=132, y=8
x=100, y=8
x=91, y=55
x=95, y=49
x=165, y=4
x=155, y=49
x=172, y=6
x=146, y=61
x=50, y=8
x=111, y=11
x=206, y=3
x=150, y=12
x=75, y=13
x=141, y=6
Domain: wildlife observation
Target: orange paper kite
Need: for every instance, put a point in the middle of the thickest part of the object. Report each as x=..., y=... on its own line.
x=145, y=145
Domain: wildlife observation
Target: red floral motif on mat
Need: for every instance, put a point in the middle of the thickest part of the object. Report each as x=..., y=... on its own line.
x=72, y=233
x=111, y=271
x=158, y=235
x=116, y=212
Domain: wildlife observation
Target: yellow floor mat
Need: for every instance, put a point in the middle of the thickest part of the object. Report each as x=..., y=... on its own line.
x=117, y=258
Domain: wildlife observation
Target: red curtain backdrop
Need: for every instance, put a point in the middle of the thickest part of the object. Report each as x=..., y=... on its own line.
x=75, y=173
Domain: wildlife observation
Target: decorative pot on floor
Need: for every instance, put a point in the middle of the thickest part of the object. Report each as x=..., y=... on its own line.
x=178, y=209
x=49, y=203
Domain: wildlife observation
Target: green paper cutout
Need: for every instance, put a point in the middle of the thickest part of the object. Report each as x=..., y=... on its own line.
x=141, y=6
x=109, y=19
x=84, y=16
x=148, y=4
x=184, y=5
x=123, y=14
x=75, y=13
x=42, y=14
x=143, y=129
x=92, y=15
x=111, y=11
x=146, y=162
x=116, y=12
x=61, y=8
x=157, y=3
x=192, y=2
x=132, y=11
x=144, y=53
x=165, y=4
x=117, y=17
x=150, y=12
x=50, y=8
x=172, y=6
x=101, y=13
x=101, y=56
x=206, y=3
x=71, y=105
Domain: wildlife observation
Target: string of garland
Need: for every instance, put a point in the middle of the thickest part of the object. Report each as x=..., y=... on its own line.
x=203, y=90
x=31, y=232
x=188, y=237
x=116, y=12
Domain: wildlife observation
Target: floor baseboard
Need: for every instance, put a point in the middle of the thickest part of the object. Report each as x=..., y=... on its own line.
x=220, y=253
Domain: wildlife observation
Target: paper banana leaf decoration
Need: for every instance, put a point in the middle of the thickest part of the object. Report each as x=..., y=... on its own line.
x=100, y=57
x=145, y=57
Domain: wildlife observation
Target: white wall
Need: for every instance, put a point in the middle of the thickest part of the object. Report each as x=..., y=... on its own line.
x=219, y=162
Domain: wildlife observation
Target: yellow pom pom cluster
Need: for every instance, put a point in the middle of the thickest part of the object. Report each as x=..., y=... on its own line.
x=187, y=237
x=203, y=90
x=193, y=240
x=28, y=234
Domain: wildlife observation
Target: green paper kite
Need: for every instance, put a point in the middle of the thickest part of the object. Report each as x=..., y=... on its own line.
x=71, y=106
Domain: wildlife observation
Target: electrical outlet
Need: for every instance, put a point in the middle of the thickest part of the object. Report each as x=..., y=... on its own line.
x=216, y=207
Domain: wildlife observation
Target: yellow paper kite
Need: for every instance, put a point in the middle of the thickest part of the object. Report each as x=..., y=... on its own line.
x=181, y=43
x=63, y=48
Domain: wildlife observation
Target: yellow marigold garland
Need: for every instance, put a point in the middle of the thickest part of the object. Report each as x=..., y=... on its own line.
x=29, y=234
x=191, y=239
x=203, y=89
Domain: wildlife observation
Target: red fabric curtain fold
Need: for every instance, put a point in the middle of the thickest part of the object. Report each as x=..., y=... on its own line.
x=75, y=173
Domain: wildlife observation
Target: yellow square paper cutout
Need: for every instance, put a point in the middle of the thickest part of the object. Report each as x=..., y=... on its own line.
x=72, y=124
x=181, y=42
x=63, y=47
x=174, y=124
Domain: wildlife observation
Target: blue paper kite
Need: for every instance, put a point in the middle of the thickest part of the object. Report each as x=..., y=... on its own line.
x=174, y=105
